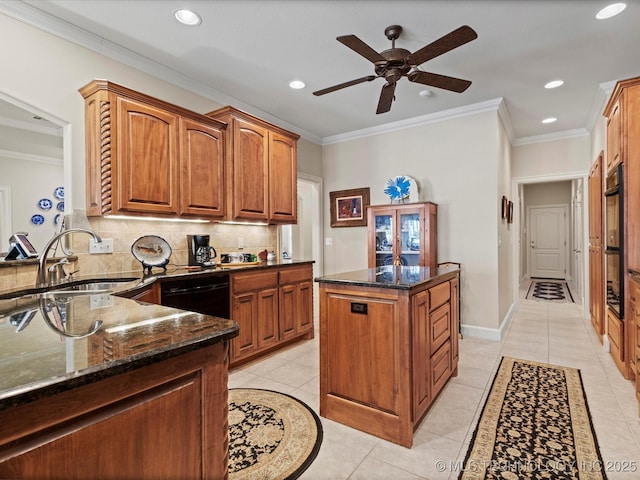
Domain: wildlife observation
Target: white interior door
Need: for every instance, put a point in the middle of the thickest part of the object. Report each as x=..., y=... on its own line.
x=578, y=238
x=547, y=241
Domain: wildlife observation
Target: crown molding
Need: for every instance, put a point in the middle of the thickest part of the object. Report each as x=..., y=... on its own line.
x=28, y=157
x=490, y=105
x=551, y=137
x=60, y=28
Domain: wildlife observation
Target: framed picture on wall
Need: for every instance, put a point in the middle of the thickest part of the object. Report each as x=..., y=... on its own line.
x=505, y=207
x=348, y=207
x=510, y=212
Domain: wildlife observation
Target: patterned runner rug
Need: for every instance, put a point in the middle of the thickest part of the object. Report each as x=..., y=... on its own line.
x=535, y=424
x=548, y=290
x=271, y=435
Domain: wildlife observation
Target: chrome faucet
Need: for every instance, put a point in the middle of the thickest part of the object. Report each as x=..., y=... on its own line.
x=44, y=278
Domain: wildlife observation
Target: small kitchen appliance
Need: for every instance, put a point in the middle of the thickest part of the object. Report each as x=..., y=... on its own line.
x=200, y=252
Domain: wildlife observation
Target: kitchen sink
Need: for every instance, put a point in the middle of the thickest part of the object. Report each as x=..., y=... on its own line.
x=89, y=287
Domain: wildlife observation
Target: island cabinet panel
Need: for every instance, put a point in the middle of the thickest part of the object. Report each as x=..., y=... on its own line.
x=273, y=307
x=147, y=156
x=165, y=420
x=385, y=353
x=368, y=373
x=262, y=168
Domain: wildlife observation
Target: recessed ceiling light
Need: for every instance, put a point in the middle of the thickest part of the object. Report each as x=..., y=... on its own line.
x=187, y=17
x=297, y=84
x=549, y=120
x=611, y=10
x=554, y=84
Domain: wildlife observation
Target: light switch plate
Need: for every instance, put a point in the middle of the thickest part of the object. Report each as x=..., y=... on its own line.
x=240, y=242
x=106, y=246
x=101, y=300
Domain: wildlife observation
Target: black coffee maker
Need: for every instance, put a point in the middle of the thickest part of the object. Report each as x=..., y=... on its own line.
x=200, y=252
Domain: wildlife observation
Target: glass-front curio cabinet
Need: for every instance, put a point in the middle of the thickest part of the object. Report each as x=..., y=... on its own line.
x=402, y=234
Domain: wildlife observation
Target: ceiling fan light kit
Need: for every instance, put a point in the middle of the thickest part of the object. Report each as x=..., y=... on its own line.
x=395, y=63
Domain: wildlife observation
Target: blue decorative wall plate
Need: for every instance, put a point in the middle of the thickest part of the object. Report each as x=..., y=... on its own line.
x=45, y=204
x=37, y=219
x=60, y=206
x=59, y=193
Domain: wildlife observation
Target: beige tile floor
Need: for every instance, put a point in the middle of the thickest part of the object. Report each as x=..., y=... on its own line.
x=541, y=331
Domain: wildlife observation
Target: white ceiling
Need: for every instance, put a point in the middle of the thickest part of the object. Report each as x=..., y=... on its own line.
x=246, y=52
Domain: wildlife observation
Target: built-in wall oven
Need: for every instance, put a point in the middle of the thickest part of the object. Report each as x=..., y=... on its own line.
x=614, y=247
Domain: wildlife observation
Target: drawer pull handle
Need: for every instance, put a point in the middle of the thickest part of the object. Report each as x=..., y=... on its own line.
x=360, y=308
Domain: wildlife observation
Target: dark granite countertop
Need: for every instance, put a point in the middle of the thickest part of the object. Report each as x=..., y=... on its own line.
x=50, y=341
x=399, y=278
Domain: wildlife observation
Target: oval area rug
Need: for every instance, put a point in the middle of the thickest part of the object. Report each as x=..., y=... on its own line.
x=271, y=435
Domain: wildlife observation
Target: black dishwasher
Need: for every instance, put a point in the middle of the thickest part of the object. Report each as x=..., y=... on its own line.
x=208, y=295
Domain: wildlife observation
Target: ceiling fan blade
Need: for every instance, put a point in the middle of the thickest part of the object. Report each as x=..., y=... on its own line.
x=344, y=85
x=386, y=97
x=440, y=81
x=451, y=40
x=361, y=48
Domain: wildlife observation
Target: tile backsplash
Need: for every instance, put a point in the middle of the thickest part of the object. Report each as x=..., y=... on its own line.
x=224, y=238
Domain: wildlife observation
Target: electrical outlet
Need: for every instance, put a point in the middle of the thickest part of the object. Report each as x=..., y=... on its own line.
x=101, y=300
x=106, y=246
x=240, y=242
x=328, y=241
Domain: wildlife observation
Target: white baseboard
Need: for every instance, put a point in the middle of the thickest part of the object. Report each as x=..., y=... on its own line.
x=485, y=333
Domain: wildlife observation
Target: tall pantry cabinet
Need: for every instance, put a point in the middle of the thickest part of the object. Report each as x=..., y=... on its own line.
x=596, y=248
x=623, y=146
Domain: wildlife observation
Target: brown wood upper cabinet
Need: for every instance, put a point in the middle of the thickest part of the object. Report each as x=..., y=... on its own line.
x=147, y=156
x=402, y=234
x=261, y=168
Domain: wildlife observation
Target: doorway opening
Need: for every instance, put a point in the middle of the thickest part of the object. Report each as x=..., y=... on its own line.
x=303, y=241
x=550, y=225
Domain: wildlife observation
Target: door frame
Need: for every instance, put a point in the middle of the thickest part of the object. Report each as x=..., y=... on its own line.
x=565, y=208
x=516, y=231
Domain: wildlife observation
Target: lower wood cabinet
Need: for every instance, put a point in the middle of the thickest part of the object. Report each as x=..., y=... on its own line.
x=272, y=307
x=385, y=354
x=615, y=329
x=164, y=420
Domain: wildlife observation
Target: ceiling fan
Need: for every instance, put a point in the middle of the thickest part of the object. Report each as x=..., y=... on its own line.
x=395, y=63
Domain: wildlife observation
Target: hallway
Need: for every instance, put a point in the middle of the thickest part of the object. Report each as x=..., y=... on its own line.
x=540, y=331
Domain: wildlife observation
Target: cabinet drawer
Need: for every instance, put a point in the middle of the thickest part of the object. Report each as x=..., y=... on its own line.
x=440, y=368
x=245, y=282
x=616, y=333
x=439, y=295
x=295, y=275
x=439, y=326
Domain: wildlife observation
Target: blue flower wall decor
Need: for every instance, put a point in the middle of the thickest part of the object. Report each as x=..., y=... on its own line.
x=398, y=188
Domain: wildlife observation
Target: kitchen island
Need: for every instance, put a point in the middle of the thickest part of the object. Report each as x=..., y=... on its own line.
x=98, y=386
x=388, y=345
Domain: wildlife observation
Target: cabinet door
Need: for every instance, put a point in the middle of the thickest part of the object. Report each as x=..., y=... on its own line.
x=411, y=238
x=202, y=184
x=147, y=166
x=267, y=320
x=244, y=311
x=250, y=171
x=283, y=178
x=614, y=134
x=288, y=310
x=304, y=319
x=381, y=225
x=421, y=355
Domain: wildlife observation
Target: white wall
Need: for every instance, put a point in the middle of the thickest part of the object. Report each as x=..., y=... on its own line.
x=455, y=163
x=505, y=239
x=548, y=159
